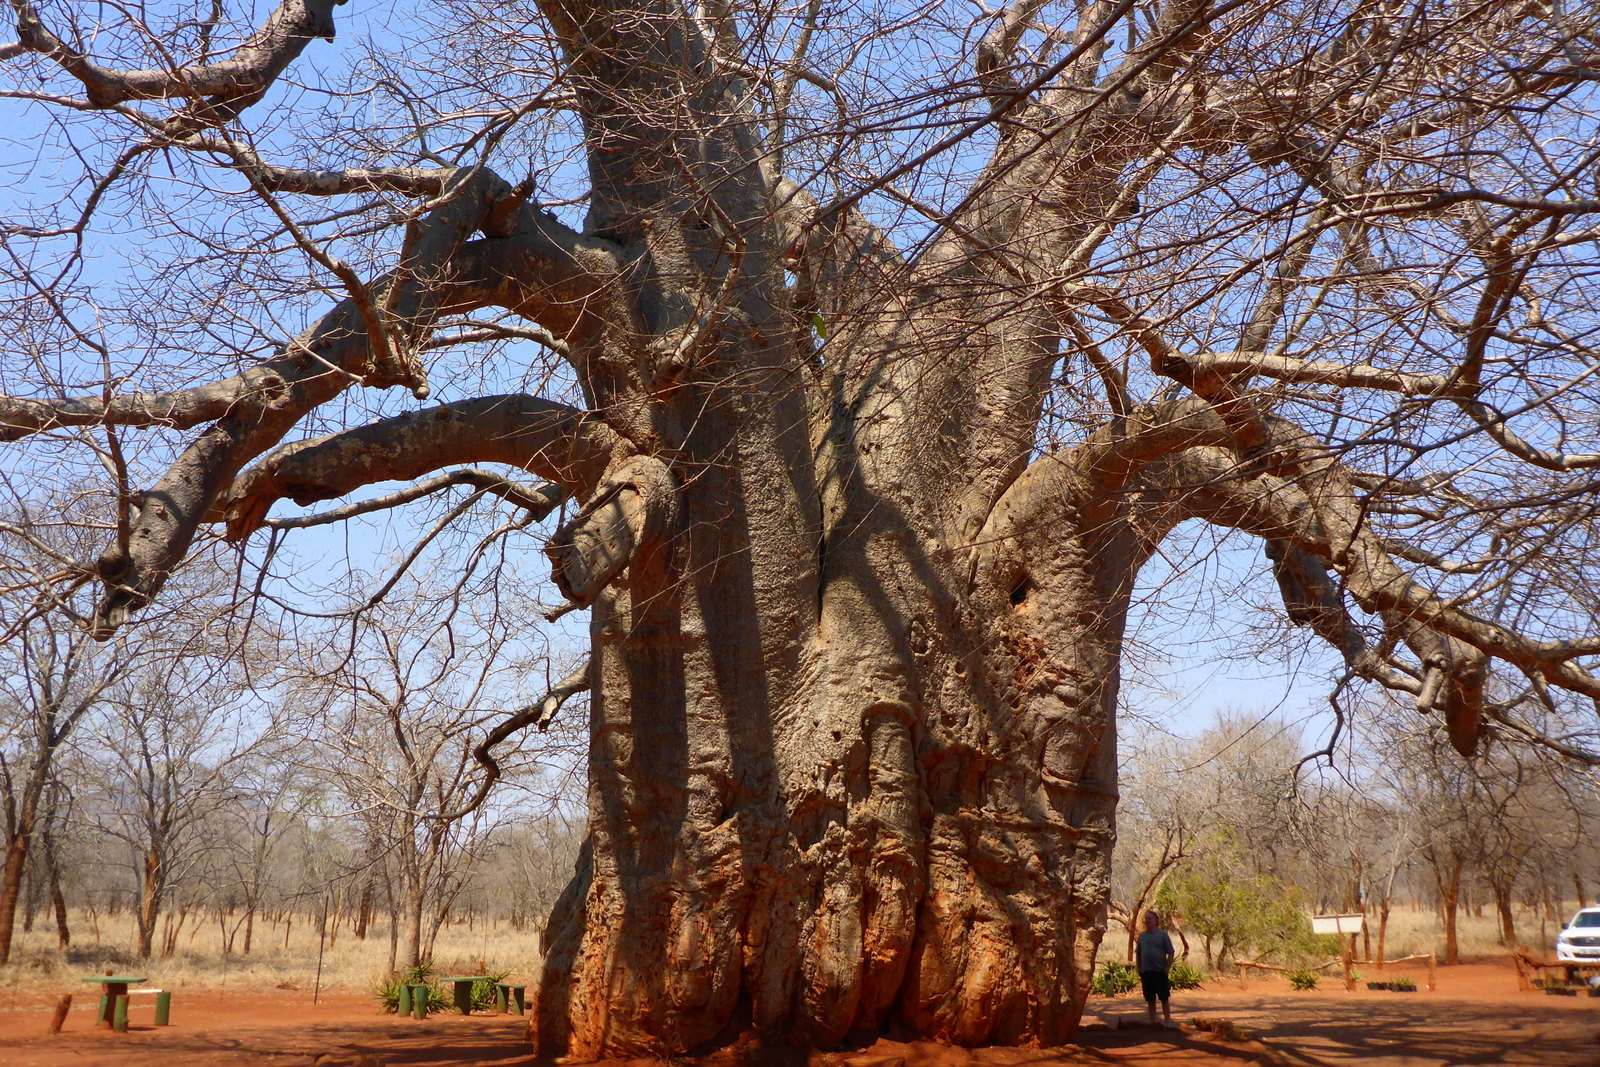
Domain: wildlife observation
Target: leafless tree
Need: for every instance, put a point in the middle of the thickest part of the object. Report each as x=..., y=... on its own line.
x=1476, y=824
x=165, y=773
x=392, y=711
x=1164, y=811
x=54, y=677
x=891, y=345
x=265, y=794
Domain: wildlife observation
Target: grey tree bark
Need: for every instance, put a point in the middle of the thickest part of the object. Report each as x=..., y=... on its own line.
x=857, y=621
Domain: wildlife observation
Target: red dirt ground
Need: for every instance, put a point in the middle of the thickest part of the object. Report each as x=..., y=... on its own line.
x=1477, y=1016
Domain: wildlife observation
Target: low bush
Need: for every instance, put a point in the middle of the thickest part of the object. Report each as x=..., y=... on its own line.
x=1302, y=980
x=1184, y=975
x=483, y=992
x=1404, y=984
x=387, y=991
x=1115, y=977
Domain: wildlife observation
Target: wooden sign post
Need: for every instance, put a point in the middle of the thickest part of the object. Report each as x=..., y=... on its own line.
x=1347, y=927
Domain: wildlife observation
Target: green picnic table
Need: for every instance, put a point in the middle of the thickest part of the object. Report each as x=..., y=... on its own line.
x=114, y=986
x=463, y=989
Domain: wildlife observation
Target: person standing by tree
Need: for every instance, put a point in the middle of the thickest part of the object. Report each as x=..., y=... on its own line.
x=1153, y=957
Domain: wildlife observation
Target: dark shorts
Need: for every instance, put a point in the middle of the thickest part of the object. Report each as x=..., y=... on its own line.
x=1157, y=985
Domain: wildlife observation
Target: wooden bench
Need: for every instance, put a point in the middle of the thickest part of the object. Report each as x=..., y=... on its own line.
x=1555, y=978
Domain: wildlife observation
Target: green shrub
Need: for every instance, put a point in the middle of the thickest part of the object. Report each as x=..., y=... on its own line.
x=1114, y=977
x=1184, y=975
x=387, y=991
x=1403, y=984
x=483, y=992
x=1237, y=913
x=1302, y=980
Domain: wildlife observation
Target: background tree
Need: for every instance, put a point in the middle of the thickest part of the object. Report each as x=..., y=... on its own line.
x=536, y=858
x=58, y=677
x=54, y=677
x=875, y=382
x=171, y=747
x=392, y=706
x=266, y=803
x=1161, y=818
x=1233, y=908
x=1476, y=823
x=1230, y=799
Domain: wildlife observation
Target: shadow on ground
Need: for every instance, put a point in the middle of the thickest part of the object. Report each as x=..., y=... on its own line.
x=1420, y=1030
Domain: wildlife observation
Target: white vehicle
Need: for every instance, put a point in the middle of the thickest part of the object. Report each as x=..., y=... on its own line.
x=1580, y=941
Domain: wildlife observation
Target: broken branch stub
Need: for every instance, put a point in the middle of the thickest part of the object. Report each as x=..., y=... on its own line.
x=634, y=510
x=1454, y=675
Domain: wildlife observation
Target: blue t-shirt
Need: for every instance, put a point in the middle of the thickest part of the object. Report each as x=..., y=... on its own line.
x=1153, y=949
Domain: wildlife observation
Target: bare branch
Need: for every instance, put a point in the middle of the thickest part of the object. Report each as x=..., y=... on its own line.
x=315, y=368
x=1330, y=529
x=540, y=715
x=1287, y=368
x=20, y=417
x=537, y=502
x=238, y=81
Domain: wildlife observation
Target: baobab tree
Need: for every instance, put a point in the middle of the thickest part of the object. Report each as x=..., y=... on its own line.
x=891, y=343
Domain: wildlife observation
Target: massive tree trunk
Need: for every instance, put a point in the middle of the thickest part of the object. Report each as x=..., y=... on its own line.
x=799, y=817
x=856, y=625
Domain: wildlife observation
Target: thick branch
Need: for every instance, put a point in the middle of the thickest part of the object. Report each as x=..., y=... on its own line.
x=635, y=512
x=996, y=51
x=1312, y=599
x=241, y=78
x=20, y=417
x=1446, y=639
x=1313, y=523
x=549, y=439
x=316, y=367
x=1091, y=479
x=408, y=181
x=1187, y=368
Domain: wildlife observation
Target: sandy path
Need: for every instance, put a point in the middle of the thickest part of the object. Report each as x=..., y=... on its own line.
x=1476, y=1017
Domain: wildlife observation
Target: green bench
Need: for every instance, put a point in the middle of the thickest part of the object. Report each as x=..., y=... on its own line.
x=508, y=998
x=113, y=1013
x=463, y=988
x=413, y=1000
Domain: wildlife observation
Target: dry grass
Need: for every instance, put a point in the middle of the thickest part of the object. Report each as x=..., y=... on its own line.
x=1420, y=932
x=281, y=957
